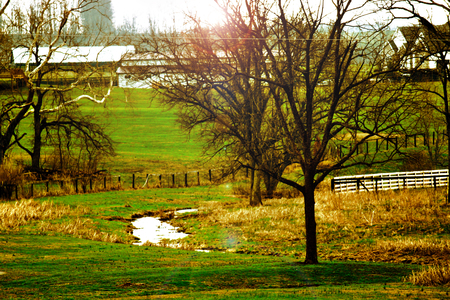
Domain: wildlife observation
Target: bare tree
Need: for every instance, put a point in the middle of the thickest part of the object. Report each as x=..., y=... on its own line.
x=433, y=47
x=286, y=85
x=51, y=70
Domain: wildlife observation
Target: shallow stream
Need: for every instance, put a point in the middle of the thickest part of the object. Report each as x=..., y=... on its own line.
x=153, y=230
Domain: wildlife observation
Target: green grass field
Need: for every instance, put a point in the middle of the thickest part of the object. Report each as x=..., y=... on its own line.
x=148, y=138
x=80, y=246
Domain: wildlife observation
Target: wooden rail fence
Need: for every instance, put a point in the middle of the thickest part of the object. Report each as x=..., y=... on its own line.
x=390, y=181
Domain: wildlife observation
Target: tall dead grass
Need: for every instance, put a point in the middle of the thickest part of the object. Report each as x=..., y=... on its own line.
x=431, y=276
x=81, y=228
x=406, y=207
x=426, y=246
x=18, y=213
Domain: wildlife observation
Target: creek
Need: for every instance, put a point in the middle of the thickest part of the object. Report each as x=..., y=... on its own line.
x=153, y=230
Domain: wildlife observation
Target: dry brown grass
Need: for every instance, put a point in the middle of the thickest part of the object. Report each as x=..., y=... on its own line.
x=423, y=246
x=407, y=207
x=81, y=228
x=18, y=213
x=431, y=276
x=13, y=215
x=386, y=218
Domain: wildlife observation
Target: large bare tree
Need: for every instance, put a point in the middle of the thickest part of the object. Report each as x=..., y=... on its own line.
x=286, y=84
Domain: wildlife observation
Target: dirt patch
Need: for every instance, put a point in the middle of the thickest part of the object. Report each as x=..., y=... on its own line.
x=375, y=255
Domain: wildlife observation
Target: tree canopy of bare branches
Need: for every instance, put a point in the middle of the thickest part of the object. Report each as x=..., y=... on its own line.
x=276, y=85
x=50, y=81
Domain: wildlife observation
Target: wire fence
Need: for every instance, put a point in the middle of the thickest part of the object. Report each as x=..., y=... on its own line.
x=90, y=184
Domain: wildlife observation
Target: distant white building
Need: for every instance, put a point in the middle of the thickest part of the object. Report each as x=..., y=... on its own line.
x=74, y=55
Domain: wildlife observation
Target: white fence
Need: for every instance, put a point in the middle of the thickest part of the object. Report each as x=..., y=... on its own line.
x=390, y=181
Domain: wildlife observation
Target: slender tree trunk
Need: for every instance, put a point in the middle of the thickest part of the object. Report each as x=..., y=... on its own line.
x=2, y=155
x=256, y=199
x=310, y=220
x=448, y=161
x=37, y=145
x=271, y=185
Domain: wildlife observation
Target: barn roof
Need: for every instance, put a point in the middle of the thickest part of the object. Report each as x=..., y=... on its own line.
x=76, y=54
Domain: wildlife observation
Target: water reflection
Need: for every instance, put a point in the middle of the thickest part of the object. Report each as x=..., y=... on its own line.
x=153, y=230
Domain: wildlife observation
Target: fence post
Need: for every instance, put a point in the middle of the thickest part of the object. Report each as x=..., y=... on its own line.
x=173, y=180
x=210, y=176
x=185, y=179
x=104, y=182
x=357, y=184
x=434, y=182
x=198, y=178
x=46, y=186
x=119, y=180
x=160, y=180
x=134, y=178
x=332, y=184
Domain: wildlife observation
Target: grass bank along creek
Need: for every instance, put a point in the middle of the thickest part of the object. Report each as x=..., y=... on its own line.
x=156, y=230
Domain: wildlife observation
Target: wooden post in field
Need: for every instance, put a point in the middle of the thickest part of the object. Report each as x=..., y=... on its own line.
x=160, y=180
x=198, y=178
x=46, y=186
x=173, y=180
x=104, y=182
x=134, y=178
x=433, y=137
x=332, y=184
x=119, y=180
x=210, y=176
x=185, y=179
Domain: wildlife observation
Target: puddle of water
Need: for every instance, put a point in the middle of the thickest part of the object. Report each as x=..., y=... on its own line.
x=153, y=230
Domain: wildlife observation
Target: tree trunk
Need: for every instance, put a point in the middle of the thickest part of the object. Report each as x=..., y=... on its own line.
x=448, y=161
x=256, y=199
x=271, y=185
x=36, y=154
x=255, y=187
x=310, y=221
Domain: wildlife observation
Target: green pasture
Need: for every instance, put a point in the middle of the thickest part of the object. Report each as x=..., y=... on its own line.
x=37, y=264
x=148, y=139
x=61, y=267
x=50, y=265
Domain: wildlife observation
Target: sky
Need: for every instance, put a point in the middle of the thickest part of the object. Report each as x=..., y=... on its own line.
x=164, y=12
x=169, y=12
